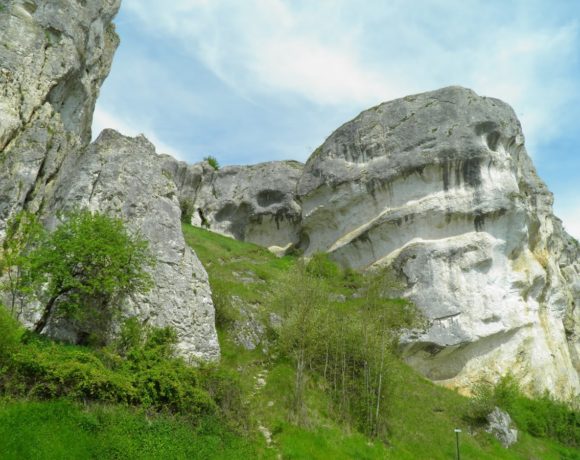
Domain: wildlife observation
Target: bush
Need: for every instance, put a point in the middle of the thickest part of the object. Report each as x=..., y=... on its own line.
x=187, y=210
x=542, y=416
x=350, y=348
x=212, y=162
x=82, y=271
x=138, y=369
x=225, y=389
x=321, y=266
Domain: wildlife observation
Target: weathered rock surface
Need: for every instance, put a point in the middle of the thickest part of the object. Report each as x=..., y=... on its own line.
x=499, y=423
x=439, y=186
x=54, y=55
x=122, y=176
x=250, y=203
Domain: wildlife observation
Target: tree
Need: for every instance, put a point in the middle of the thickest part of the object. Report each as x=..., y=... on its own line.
x=84, y=269
x=351, y=344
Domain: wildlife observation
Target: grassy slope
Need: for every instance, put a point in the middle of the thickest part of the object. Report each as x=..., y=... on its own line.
x=423, y=414
x=422, y=420
x=65, y=430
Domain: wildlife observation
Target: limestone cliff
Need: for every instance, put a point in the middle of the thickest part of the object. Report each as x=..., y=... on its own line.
x=54, y=56
x=251, y=203
x=440, y=187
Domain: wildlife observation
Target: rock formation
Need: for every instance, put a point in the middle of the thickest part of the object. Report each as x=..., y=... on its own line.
x=251, y=203
x=54, y=55
x=438, y=186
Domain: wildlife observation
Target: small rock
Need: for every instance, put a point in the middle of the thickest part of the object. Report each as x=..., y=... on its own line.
x=499, y=425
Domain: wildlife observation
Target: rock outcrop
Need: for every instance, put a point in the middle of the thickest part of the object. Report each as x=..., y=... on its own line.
x=439, y=187
x=499, y=424
x=54, y=55
x=250, y=203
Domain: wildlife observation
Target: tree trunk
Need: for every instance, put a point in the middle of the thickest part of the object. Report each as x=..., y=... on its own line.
x=46, y=314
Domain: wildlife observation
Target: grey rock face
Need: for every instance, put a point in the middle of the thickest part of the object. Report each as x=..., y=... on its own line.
x=122, y=176
x=54, y=56
x=250, y=203
x=499, y=424
x=440, y=187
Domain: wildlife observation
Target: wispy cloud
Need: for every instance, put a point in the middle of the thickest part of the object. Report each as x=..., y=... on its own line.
x=337, y=53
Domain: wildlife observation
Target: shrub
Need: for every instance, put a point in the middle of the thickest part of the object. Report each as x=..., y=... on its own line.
x=213, y=162
x=350, y=348
x=148, y=374
x=84, y=270
x=187, y=210
x=542, y=416
x=225, y=389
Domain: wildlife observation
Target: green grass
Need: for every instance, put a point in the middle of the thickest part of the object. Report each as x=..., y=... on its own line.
x=421, y=418
x=61, y=429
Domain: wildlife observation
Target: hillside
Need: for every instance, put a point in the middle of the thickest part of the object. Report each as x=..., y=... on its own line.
x=246, y=280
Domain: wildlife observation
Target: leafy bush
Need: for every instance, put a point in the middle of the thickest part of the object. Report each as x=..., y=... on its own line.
x=82, y=271
x=138, y=369
x=225, y=389
x=348, y=347
x=187, y=210
x=212, y=162
x=542, y=416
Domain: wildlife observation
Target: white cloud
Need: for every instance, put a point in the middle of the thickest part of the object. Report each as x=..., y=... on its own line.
x=104, y=119
x=338, y=53
x=266, y=47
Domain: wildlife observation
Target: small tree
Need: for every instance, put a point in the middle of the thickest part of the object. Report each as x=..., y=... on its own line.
x=85, y=268
x=213, y=162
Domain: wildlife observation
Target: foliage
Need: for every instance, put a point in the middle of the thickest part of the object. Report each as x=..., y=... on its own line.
x=23, y=234
x=187, y=210
x=10, y=335
x=83, y=270
x=541, y=416
x=320, y=266
x=60, y=429
x=350, y=348
x=225, y=313
x=138, y=369
x=213, y=162
x=421, y=415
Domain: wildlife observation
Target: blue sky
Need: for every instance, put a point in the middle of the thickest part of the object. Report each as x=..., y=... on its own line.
x=257, y=80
